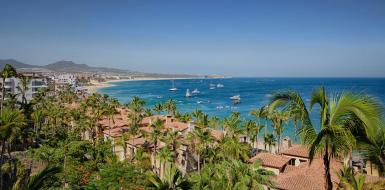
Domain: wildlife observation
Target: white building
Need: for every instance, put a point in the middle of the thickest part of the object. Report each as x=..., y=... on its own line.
x=35, y=84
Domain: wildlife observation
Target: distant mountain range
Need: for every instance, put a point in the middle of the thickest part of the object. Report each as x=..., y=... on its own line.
x=61, y=66
x=71, y=67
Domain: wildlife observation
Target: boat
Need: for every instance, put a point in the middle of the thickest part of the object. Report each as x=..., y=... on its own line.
x=235, y=97
x=196, y=91
x=219, y=85
x=188, y=94
x=173, y=89
x=212, y=88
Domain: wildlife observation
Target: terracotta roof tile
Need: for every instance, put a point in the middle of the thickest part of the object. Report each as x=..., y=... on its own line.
x=271, y=160
x=307, y=177
x=297, y=151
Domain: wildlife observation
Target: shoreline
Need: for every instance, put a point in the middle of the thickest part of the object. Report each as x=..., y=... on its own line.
x=95, y=87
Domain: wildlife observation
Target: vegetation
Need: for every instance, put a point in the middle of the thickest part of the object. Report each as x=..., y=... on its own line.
x=56, y=141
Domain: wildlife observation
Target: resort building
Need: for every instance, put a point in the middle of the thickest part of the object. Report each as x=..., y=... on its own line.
x=13, y=85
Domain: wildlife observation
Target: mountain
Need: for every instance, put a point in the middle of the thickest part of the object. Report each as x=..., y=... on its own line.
x=60, y=66
x=69, y=66
x=16, y=64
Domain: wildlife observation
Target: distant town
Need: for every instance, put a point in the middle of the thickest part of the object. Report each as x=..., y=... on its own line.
x=79, y=78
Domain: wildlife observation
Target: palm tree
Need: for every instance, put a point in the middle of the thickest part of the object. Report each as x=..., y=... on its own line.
x=373, y=149
x=7, y=72
x=270, y=140
x=23, y=88
x=171, y=180
x=214, y=122
x=232, y=174
x=165, y=155
x=35, y=182
x=278, y=117
x=158, y=108
x=202, y=121
x=201, y=139
x=295, y=113
x=252, y=132
x=232, y=124
x=349, y=180
x=170, y=107
x=11, y=121
x=38, y=117
x=172, y=138
x=156, y=133
x=232, y=148
x=340, y=117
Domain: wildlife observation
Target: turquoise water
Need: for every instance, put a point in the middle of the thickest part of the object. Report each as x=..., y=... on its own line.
x=254, y=92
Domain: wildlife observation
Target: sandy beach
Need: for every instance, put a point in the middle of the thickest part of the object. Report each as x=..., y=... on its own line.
x=95, y=86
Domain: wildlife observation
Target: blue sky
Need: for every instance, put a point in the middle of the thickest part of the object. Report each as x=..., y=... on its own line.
x=237, y=38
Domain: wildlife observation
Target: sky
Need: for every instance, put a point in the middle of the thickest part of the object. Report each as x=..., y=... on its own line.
x=235, y=38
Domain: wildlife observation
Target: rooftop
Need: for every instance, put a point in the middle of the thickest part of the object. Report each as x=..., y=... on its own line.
x=307, y=177
x=271, y=160
x=297, y=151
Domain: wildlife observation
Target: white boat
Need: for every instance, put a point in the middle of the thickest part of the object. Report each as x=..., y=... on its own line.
x=173, y=89
x=236, y=97
x=219, y=85
x=212, y=88
x=188, y=94
x=196, y=91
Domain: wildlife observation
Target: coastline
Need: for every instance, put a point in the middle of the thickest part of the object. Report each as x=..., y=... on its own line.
x=96, y=86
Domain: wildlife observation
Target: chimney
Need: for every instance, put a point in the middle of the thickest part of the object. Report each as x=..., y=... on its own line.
x=286, y=143
x=168, y=119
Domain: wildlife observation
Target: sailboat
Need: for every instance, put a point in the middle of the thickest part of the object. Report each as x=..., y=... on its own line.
x=173, y=89
x=196, y=91
x=188, y=94
x=219, y=85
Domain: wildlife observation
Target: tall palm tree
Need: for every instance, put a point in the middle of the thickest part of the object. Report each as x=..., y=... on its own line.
x=171, y=180
x=295, y=114
x=158, y=108
x=278, y=118
x=7, y=72
x=270, y=140
x=165, y=155
x=340, y=116
x=170, y=106
x=23, y=88
x=38, y=117
x=172, y=139
x=232, y=124
x=156, y=133
x=11, y=120
x=201, y=139
x=252, y=132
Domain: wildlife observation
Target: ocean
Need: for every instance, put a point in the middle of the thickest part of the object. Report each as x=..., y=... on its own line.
x=254, y=92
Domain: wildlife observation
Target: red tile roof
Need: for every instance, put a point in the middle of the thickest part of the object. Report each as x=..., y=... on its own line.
x=307, y=177
x=297, y=151
x=271, y=160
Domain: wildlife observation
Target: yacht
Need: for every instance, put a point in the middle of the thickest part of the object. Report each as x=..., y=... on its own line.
x=196, y=91
x=212, y=88
x=219, y=85
x=173, y=89
x=236, y=97
x=188, y=94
